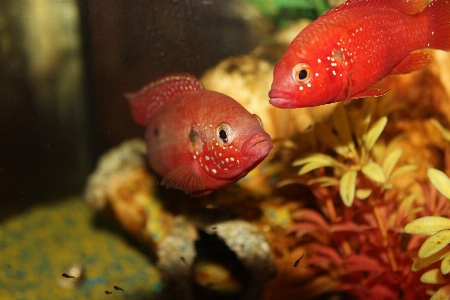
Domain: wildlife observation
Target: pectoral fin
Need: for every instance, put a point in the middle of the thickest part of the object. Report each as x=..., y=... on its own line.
x=370, y=92
x=413, y=62
x=184, y=178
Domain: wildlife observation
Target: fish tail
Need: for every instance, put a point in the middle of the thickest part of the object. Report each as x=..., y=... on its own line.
x=438, y=14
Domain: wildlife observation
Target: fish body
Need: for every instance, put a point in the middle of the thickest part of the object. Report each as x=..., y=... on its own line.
x=348, y=49
x=198, y=140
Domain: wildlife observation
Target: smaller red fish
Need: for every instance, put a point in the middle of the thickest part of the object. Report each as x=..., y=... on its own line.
x=197, y=140
x=348, y=49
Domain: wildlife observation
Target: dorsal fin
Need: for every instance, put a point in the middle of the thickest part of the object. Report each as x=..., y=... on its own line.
x=151, y=97
x=409, y=7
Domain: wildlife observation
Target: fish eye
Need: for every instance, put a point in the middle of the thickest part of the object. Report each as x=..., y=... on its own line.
x=301, y=73
x=224, y=133
x=259, y=120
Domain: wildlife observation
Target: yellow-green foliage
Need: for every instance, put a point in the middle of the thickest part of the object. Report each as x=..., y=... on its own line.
x=436, y=247
x=354, y=145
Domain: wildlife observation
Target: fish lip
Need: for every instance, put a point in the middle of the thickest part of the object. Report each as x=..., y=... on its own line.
x=279, y=99
x=279, y=102
x=258, y=145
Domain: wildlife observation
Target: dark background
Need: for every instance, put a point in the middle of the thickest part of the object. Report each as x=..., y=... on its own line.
x=65, y=65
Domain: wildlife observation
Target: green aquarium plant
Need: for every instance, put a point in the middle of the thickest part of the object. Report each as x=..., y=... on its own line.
x=356, y=225
x=284, y=11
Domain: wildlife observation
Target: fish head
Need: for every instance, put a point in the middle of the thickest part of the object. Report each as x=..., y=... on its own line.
x=307, y=78
x=234, y=145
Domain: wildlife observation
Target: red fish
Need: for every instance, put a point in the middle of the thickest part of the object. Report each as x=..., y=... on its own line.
x=348, y=49
x=197, y=140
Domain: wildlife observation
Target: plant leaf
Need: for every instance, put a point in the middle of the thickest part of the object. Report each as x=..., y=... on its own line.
x=403, y=169
x=427, y=224
x=302, y=228
x=374, y=133
x=373, y=171
x=434, y=243
x=420, y=263
x=440, y=180
x=328, y=252
x=445, y=265
x=391, y=160
x=363, y=193
x=362, y=263
x=311, y=216
x=347, y=187
x=445, y=133
x=433, y=276
x=347, y=227
x=316, y=158
x=324, y=180
x=311, y=166
x=442, y=294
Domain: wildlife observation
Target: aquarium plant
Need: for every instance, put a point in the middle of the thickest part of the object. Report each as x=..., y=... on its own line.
x=435, y=223
x=356, y=225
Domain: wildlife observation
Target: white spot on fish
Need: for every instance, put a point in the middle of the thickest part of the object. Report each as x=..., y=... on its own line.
x=214, y=171
x=227, y=160
x=319, y=61
x=206, y=157
x=301, y=88
x=196, y=152
x=231, y=158
x=206, y=167
x=308, y=85
x=317, y=74
x=334, y=72
x=194, y=157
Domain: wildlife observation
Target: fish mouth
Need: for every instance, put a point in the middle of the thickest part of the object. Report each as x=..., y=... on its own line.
x=280, y=99
x=257, y=146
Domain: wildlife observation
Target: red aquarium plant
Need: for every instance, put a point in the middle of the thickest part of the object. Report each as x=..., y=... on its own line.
x=357, y=231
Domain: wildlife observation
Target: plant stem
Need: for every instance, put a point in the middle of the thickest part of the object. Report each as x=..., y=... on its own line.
x=331, y=210
x=383, y=231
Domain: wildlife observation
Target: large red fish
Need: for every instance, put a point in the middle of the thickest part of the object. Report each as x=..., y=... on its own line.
x=197, y=140
x=347, y=50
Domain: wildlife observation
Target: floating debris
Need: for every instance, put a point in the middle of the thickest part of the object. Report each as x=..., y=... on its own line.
x=72, y=277
x=298, y=261
x=118, y=288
